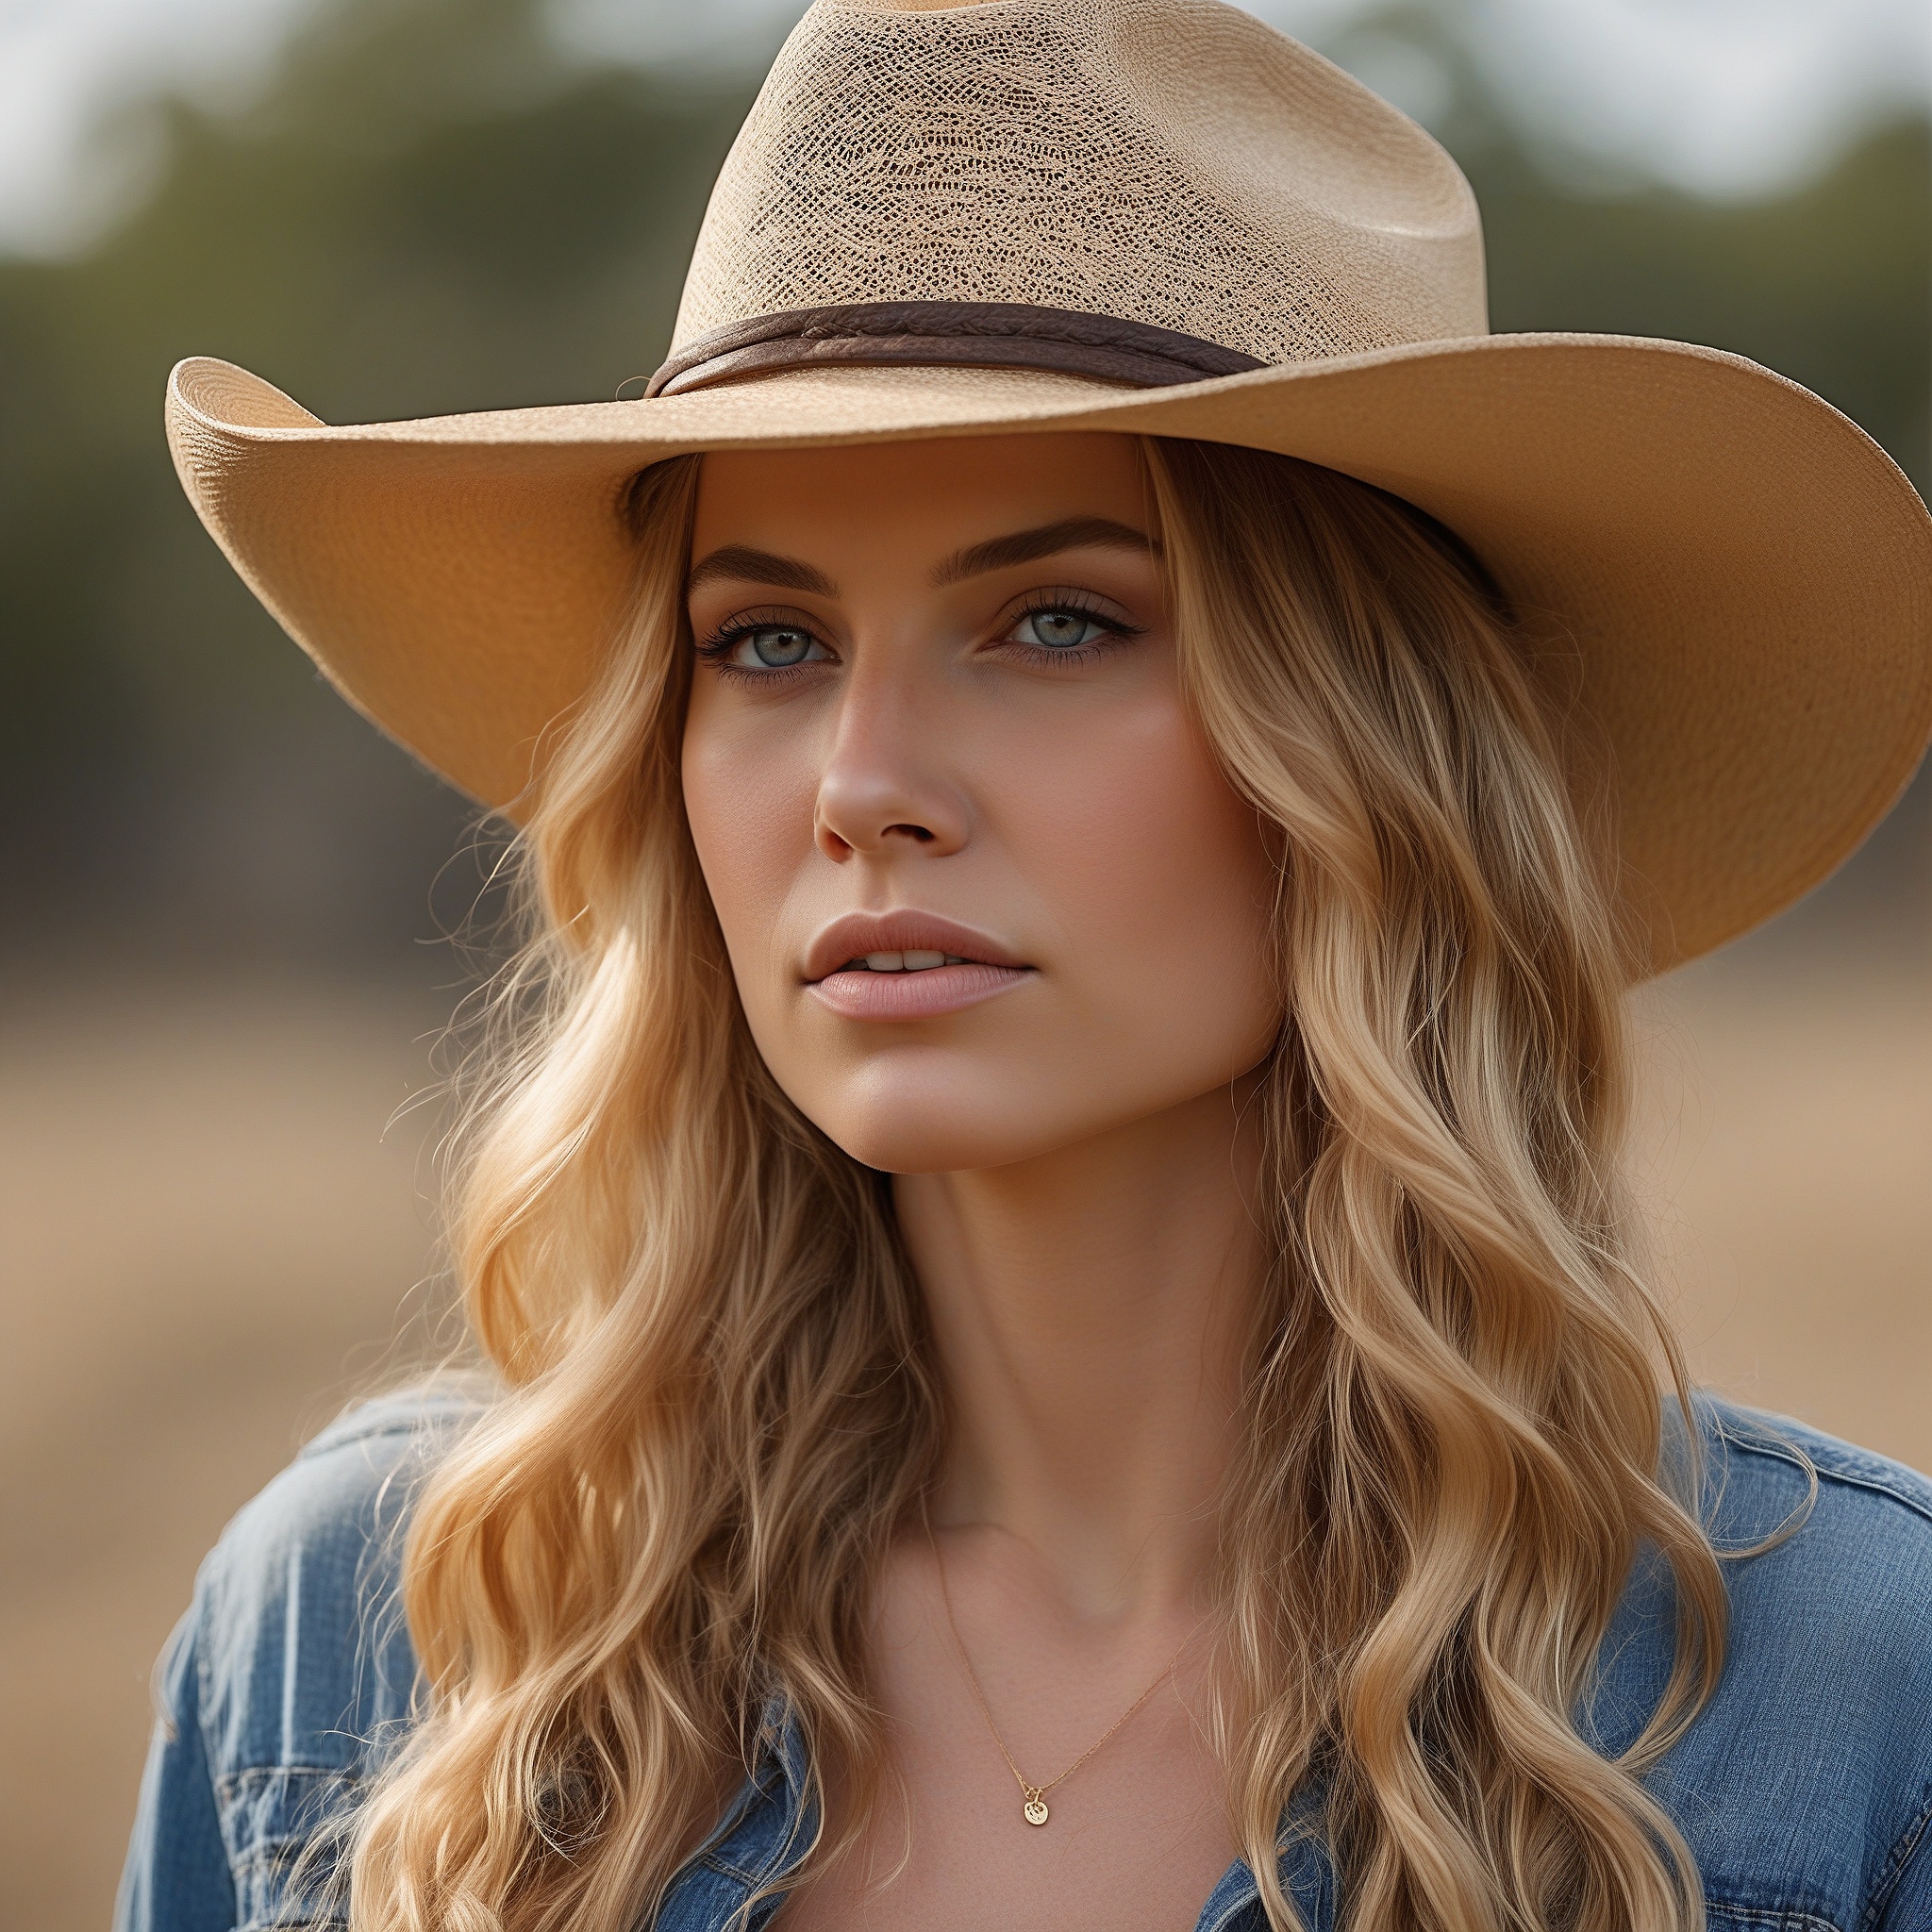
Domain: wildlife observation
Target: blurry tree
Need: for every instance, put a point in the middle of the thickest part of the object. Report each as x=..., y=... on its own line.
x=433, y=211
x=429, y=213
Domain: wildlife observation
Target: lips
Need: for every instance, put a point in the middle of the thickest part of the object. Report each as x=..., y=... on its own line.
x=861, y=935
x=907, y=965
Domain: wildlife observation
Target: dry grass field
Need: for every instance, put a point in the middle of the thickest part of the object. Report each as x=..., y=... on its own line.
x=210, y=1238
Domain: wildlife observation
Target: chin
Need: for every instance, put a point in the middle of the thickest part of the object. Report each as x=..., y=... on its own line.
x=951, y=1130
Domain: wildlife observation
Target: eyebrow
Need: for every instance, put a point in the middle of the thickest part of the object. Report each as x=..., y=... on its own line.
x=740, y=563
x=1049, y=539
x=744, y=565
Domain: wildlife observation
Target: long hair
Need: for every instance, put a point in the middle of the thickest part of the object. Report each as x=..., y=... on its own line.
x=718, y=1398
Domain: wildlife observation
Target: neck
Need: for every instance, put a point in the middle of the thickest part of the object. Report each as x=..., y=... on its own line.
x=1089, y=1309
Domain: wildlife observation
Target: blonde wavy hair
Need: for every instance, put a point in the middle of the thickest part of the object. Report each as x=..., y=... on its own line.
x=718, y=1398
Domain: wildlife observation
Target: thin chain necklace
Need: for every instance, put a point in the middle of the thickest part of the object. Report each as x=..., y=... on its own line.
x=1033, y=1797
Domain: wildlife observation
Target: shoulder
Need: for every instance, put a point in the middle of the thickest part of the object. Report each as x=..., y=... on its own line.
x=1827, y=1554
x=1756, y=1464
x=346, y=1491
x=292, y=1673
x=297, y=1619
x=1806, y=1784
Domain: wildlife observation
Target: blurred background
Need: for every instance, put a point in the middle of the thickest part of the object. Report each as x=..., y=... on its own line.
x=224, y=953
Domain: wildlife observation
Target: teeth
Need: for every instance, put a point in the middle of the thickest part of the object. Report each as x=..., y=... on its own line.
x=903, y=962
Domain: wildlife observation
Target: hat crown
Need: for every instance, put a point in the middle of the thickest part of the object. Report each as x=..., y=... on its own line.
x=1173, y=164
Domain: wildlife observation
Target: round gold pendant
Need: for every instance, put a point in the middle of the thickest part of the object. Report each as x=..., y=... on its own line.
x=1035, y=1811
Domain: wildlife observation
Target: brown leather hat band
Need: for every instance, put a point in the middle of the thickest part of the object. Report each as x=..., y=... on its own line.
x=996, y=335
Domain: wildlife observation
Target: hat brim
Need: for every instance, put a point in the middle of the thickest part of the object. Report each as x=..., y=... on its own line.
x=1740, y=578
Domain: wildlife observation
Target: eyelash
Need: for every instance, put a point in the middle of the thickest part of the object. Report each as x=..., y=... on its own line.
x=1083, y=603
x=716, y=649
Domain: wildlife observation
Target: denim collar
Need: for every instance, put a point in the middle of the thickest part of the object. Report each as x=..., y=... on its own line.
x=728, y=1884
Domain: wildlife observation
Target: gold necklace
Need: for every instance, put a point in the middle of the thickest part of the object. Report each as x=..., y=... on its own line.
x=1033, y=1797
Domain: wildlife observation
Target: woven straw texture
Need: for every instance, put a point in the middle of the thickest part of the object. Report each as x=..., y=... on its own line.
x=1255, y=195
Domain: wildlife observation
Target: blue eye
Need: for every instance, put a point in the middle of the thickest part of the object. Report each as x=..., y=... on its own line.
x=1058, y=629
x=772, y=647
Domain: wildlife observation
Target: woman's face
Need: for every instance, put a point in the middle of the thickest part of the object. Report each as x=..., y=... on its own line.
x=986, y=890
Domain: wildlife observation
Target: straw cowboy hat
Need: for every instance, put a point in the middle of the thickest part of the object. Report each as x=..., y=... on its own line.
x=1156, y=217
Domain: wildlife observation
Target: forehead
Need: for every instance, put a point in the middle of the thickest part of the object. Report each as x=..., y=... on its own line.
x=905, y=500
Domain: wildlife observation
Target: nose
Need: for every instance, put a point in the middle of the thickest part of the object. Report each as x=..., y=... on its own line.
x=881, y=789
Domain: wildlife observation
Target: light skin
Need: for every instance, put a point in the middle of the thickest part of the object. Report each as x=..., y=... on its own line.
x=937, y=717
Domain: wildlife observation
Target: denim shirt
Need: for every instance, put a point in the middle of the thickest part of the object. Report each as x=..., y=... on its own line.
x=1804, y=1788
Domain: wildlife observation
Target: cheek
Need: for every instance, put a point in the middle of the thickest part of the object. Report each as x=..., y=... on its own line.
x=1159, y=877
x=749, y=803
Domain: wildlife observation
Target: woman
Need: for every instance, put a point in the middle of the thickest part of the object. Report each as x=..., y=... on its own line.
x=1093, y=767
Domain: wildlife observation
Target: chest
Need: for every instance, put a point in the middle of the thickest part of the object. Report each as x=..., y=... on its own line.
x=1136, y=1841
x=1133, y=1832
